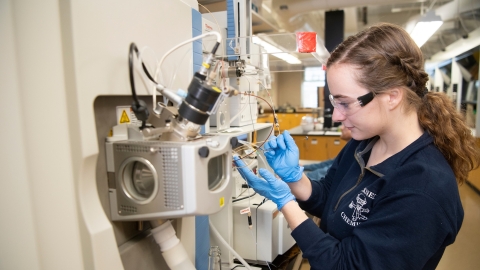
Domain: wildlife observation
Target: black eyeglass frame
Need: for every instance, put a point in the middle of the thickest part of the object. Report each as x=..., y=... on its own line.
x=365, y=99
x=361, y=102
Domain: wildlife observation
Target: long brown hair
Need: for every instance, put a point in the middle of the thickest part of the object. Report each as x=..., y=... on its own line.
x=386, y=57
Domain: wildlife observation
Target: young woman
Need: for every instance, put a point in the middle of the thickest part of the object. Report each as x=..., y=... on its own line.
x=390, y=200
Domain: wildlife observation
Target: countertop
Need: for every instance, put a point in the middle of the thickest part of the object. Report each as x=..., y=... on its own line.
x=299, y=131
x=267, y=114
x=263, y=115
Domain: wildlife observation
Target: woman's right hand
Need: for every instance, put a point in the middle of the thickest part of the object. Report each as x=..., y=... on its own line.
x=269, y=187
x=283, y=155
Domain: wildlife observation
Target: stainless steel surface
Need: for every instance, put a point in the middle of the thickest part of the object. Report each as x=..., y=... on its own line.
x=135, y=183
x=166, y=166
x=104, y=121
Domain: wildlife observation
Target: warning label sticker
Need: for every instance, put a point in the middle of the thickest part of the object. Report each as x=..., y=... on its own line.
x=125, y=115
x=245, y=211
x=222, y=201
x=124, y=118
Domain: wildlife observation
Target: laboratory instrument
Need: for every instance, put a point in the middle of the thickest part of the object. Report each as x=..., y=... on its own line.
x=170, y=171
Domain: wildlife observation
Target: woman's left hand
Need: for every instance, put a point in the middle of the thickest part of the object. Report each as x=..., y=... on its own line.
x=283, y=156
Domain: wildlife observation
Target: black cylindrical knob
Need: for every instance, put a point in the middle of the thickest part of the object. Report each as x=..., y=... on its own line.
x=200, y=99
x=234, y=142
x=203, y=151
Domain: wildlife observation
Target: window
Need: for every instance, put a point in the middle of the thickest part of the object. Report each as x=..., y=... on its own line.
x=314, y=77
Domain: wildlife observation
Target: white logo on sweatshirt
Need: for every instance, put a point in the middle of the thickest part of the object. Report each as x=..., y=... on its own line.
x=358, y=208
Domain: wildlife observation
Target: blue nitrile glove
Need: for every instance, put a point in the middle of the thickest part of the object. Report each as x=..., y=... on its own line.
x=282, y=155
x=269, y=187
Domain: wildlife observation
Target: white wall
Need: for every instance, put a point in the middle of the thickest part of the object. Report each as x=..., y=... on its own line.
x=18, y=234
x=289, y=88
x=56, y=58
x=39, y=228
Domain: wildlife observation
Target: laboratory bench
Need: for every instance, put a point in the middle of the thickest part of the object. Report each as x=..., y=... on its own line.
x=317, y=144
x=285, y=120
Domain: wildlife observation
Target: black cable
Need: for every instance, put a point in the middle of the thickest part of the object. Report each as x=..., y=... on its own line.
x=133, y=48
x=243, y=198
x=215, y=47
x=238, y=266
x=238, y=18
x=139, y=107
x=148, y=74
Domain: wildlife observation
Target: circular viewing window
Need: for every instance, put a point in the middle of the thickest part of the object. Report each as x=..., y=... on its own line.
x=139, y=180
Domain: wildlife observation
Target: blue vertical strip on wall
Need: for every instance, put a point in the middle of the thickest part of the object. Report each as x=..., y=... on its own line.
x=197, y=45
x=231, y=29
x=197, y=25
x=202, y=233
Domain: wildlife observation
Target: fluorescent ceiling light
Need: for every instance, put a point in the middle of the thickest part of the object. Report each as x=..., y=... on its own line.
x=289, y=58
x=426, y=27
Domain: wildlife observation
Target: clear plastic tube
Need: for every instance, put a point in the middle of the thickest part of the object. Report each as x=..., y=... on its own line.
x=170, y=84
x=219, y=236
x=217, y=104
x=240, y=112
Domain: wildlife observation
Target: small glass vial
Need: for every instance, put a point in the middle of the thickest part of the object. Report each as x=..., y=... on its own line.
x=214, y=261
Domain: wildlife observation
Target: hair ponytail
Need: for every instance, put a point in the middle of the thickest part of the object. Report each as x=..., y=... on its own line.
x=438, y=115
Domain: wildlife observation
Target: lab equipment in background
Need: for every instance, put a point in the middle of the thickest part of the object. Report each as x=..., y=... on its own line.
x=248, y=68
x=222, y=225
x=261, y=110
x=221, y=118
x=239, y=110
x=243, y=108
x=242, y=66
x=286, y=108
x=318, y=119
x=307, y=123
x=269, y=236
x=259, y=232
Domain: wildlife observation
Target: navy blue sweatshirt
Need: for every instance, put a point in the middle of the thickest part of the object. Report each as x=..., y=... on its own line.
x=399, y=214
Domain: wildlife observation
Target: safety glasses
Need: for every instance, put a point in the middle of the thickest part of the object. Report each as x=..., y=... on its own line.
x=346, y=107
